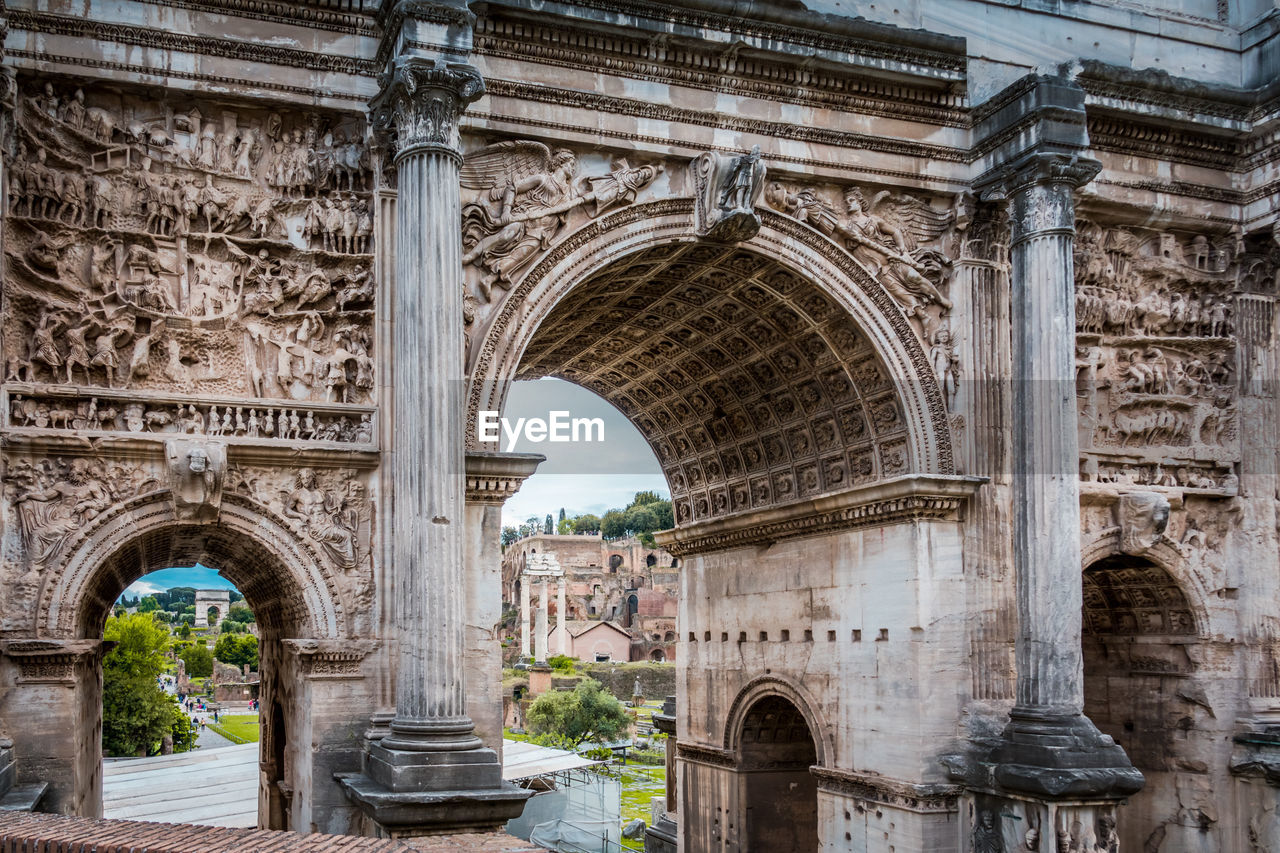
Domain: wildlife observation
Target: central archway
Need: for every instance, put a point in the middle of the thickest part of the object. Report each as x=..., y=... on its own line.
x=760, y=373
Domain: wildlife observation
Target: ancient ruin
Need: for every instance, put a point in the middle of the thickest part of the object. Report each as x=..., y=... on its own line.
x=952, y=326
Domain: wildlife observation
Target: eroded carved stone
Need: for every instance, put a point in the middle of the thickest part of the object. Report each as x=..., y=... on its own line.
x=188, y=244
x=1142, y=517
x=728, y=189
x=196, y=470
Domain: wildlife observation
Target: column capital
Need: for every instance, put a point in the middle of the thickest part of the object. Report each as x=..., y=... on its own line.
x=420, y=101
x=1038, y=191
x=1037, y=168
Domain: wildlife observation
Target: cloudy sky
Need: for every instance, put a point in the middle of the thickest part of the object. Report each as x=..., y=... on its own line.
x=580, y=476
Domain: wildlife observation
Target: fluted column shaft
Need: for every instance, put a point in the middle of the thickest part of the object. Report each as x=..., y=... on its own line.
x=562, y=617
x=540, y=647
x=420, y=104
x=525, y=619
x=1046, y=489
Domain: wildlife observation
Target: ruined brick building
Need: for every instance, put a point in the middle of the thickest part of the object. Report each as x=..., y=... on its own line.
x=621, y=582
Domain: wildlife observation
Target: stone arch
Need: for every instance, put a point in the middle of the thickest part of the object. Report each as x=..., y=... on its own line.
x=848, y=309
x=1166, y=557
x=771, y=685
x=290, y=582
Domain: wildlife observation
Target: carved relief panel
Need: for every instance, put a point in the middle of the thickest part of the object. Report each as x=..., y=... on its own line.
x=187, y=246
x=1156, y=358
x=906, y=242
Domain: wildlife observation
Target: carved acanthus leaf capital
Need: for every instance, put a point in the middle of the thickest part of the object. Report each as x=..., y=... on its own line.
x=1038, y=191
x=421, y=101
x=1038, y=168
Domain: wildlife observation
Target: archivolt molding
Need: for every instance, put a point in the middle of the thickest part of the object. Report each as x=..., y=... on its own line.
x=67, y=588
x=772, y=685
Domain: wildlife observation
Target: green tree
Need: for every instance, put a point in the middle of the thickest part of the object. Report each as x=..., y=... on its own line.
x=643, y=498
x=589, y=712
x=509, y=534
x=614, y=524
x=641, y=519
x=564, y=527
x=548, y=526
x=185, y=631
x=237, y=650
x=240, y=613
x=148, y=604
x=586, y=524
x=230, y=626
x=136, y=712
x=561, y=518
x=197, y=658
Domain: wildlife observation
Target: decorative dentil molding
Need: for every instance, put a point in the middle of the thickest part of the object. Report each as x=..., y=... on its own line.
x=420, y=101
x=493, y=478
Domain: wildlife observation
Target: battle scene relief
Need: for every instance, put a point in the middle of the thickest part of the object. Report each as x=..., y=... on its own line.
x=1156, y=358
x=187, y=266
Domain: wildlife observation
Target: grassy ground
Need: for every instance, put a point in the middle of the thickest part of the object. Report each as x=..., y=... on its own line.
x=237, y=728
x=640, y=784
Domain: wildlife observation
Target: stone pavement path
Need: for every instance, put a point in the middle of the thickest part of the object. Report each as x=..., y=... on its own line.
x=214, y=787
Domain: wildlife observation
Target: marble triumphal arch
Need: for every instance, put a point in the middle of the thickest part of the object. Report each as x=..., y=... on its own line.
x=952, y=331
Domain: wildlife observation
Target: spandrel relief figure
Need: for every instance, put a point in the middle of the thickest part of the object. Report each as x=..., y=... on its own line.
x=526, y=193
x=327, y=517
x=889, y=236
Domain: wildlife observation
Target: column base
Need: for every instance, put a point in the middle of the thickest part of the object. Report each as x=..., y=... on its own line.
x=379, y=726
x=1055, y=755
x=413, y=814
x=661, y=837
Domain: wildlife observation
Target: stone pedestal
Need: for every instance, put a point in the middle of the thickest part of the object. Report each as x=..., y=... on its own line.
x=431, y=773
x=539, y=679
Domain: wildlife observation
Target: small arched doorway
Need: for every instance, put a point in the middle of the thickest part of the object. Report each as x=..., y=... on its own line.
x=1141, y=687
x=778, y=793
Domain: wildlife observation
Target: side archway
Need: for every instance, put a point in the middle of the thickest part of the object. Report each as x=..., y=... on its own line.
x=760, y=373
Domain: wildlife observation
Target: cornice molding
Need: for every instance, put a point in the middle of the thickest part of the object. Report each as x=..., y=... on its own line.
x=890, y=792
x=901, y=499
x=807, y=29
x=301, y=14
x=597, y=102
x=709, y=755
x=51, y=661
x=305, y=94
x=773, y=76
x=202, y=45
x=492, y=478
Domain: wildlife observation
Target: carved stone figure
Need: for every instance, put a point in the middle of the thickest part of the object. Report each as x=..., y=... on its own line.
x=526, y=193
x=1143, y=518
x=196, y=472
x=325, y=517
x=727, y=190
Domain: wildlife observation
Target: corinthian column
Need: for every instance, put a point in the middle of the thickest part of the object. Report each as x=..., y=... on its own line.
x=431, y=771
x=1051, y=747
